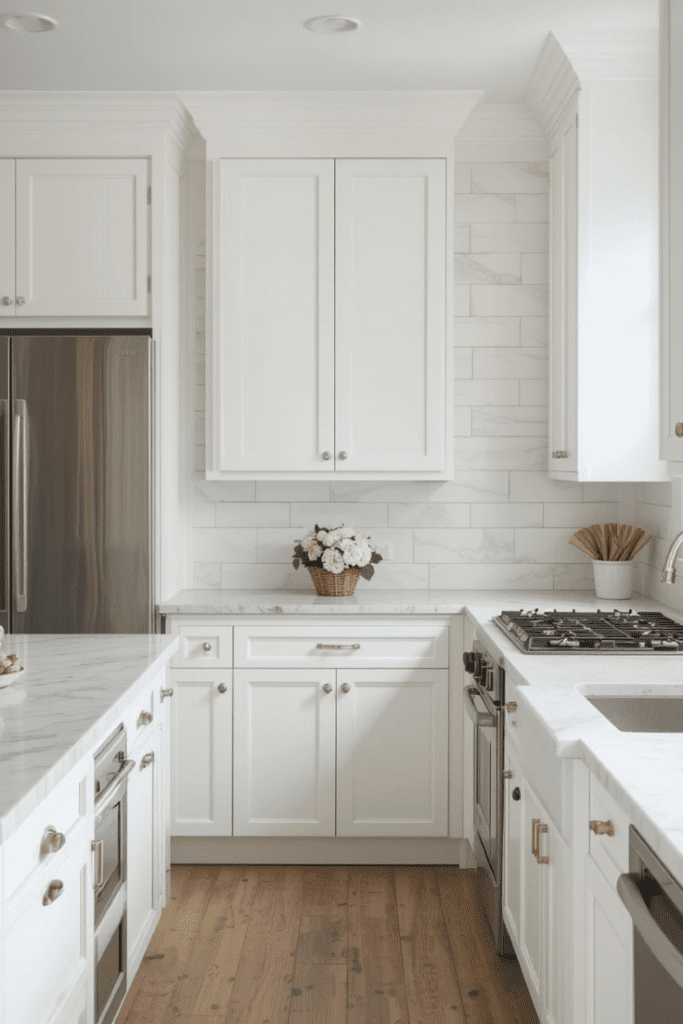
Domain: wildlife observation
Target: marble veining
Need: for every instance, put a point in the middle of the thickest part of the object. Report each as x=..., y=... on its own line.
x=74, y=691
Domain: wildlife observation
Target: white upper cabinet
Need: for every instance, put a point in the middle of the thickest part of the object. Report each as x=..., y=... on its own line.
x=672, y=232
x=390, y=385
x=329, y=343
x=604, y=284
x=275, y=362
x=75, y=238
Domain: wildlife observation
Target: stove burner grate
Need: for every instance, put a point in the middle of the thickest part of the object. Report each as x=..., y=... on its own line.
x=572, y=632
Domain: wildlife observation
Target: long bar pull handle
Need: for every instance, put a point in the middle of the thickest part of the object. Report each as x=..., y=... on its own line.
x=5, y=543
x=539, y=858
x=535, y=822
x=20, y=507
x=338, y=647
x=98, y=873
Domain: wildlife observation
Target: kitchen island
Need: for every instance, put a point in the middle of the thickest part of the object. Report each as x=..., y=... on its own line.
x=74, y=693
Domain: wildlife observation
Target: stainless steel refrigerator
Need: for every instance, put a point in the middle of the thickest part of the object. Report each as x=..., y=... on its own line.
x=76, y=473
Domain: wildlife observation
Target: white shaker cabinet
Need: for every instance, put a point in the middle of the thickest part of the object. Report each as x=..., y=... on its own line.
x=74, y=238
x=201, y=760
x=146, y=860
x=392, y=752
x=328, y=354
x=284, y=752
x=609, y=952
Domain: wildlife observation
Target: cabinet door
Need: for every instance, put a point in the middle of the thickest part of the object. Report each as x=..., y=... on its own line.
x=563, y=435
x=284, y=752
x=390, y=315
x=146, y=868
x=513, y=847
x=7, y=304
x=609, y=952
x=273, y=387
x=201, y=761
x=82, y=237
x=533, y=879
x=392, y=752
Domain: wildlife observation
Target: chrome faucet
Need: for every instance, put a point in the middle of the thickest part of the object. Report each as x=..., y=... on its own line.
x=669, y=570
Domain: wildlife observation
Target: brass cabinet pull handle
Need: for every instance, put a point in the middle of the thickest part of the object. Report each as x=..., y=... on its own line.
x=145, y=718
x=539, y=858
x=601, y=828
x=147, y=760
x=52, y=840
x=534, y=823
x=507, y=775
x=168, y=692
x=511, y=706
x=98, y=849
x=54, y=891
x=561, y=455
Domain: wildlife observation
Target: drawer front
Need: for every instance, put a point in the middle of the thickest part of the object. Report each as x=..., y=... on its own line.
x=63, y=810
x=45, y=944
x=144, y=714
x=341, y=646
x=610, y=853
x=202, y=645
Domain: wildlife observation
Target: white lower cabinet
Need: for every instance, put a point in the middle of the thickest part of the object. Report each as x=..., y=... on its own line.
x=392, y=752
x=146, y=862
x=609, y=952
x=284, y=752
x=201, y=760
x=536, y=895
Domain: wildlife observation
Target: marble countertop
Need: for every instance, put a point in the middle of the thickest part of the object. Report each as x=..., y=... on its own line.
x=72, y=692
x=642, y=771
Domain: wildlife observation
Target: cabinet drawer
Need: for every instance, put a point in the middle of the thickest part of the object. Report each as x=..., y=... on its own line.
x=202, y=645
x=63, y=810
x=143, y=716
x=363, y=646
x=45, y=944
x=610, y=853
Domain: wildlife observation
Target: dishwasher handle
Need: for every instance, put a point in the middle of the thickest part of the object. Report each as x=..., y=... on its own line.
x=480, y=718
x=659, y=944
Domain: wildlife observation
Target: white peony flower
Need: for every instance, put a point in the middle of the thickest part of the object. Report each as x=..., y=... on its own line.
x=314, y=551
x=333, y=560
x=321, y=535
x=346, y=532
x=332, y=538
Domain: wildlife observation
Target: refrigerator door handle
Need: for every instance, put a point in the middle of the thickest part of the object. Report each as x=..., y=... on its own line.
x=20, y=506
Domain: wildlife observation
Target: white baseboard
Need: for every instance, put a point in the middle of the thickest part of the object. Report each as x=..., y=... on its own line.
x=271, y=850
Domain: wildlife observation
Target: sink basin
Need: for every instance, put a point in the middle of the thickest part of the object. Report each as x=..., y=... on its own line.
x=641, y=714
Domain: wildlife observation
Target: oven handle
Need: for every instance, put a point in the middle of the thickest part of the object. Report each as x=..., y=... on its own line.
x=661, y=947
x=480, y=718
x=113, y=786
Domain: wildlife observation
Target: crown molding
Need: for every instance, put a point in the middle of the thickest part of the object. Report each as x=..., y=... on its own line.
x=436, y=110
x=553, y=85
x=501, y=122
x=112, y=112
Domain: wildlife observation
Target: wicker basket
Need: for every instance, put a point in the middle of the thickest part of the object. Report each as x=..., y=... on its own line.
x=331, y=584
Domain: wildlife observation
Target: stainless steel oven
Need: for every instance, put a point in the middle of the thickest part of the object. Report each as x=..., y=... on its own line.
x=654, y=899
x=484, y=697
x=112, y=769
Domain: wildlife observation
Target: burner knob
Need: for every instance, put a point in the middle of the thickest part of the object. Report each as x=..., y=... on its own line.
x=487, y=678
x=468, y=660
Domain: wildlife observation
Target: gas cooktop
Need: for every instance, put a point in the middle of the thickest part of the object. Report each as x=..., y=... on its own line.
x=615, y=632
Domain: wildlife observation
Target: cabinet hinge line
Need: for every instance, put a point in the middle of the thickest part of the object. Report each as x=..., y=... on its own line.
x=149, y=195
x=149, y=283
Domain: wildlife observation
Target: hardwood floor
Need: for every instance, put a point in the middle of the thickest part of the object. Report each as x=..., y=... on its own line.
x=324, y=945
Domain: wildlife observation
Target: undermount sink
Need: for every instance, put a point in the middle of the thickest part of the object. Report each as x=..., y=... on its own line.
x=641, y=714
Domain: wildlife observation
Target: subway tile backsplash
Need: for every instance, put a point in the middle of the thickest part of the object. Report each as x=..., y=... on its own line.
x=500, y=523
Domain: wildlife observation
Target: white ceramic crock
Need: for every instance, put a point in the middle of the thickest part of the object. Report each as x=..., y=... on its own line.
x=613, y=579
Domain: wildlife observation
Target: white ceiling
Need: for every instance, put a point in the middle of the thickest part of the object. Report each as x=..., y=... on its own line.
x=261, y=44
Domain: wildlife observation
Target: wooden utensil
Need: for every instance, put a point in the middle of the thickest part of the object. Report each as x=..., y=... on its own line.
x=578, y=543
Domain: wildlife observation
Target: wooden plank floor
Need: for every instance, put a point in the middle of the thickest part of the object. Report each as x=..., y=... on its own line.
x=324, y=945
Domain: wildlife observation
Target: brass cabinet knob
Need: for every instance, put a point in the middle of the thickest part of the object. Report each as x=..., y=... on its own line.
x=6, y=300
x=168, y=692
x=328, y=687
x=560, y=455
x=507, y=775
x=20, y=300
x=206, y=645
x=679, y=426
x=54, y=891
x=147, y=760
x=145, y=718
x=327, y=456
x=601, y=828
x=511, y=706
x=52, y=840
x=222, y=688
x=345, y=687
x=343, y=455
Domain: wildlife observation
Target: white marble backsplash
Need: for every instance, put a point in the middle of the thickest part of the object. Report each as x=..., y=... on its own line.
x=501, y=523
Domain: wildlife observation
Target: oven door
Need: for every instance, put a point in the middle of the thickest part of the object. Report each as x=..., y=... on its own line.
x=109, y=847
x=487, y=748
x=110, y=962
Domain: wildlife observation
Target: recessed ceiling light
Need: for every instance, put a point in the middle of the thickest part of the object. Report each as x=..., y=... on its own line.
x=28, y=22
x=328, y=24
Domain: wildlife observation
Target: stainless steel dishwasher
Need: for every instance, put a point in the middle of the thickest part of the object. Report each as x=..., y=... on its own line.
x=654, y=899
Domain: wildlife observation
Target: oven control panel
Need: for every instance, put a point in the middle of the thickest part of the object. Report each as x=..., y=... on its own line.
x=482, y=667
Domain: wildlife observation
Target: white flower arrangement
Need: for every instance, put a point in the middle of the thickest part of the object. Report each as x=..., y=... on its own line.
x=336, y=550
